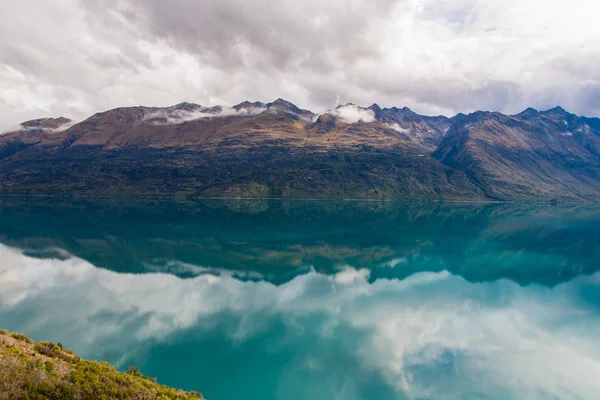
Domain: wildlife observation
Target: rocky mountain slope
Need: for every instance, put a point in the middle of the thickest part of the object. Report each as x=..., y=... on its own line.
x=279, y=150
x=532, y=155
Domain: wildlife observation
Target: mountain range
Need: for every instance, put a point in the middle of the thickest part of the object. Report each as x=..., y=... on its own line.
x=279, y=150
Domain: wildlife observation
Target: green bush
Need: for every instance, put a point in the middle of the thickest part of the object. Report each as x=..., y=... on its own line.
x=49, y=367
x=49, y=391
x=133, y=370
x=48, y=349
x=21, y=337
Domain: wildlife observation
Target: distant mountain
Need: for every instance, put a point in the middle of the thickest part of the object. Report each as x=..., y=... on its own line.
x=279, y=150
x=531, y=155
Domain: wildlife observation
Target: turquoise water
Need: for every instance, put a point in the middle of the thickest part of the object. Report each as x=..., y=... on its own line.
x=320, y=300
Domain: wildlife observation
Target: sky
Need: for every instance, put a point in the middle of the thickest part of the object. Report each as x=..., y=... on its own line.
x=73, y=58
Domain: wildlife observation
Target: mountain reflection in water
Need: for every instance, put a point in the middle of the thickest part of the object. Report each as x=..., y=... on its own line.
x=322, y=300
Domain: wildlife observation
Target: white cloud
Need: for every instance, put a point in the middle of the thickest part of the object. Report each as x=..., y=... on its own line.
x=178, y=116
x=58, y=129
x=432, y=335
x=433, y=56
x=179, y=268
x=349, y=275
x=395, y=126
x=61, y=128
x=395, y=262
x=352, y=114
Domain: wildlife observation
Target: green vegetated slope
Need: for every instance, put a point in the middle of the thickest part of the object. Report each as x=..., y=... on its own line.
x=39, y=371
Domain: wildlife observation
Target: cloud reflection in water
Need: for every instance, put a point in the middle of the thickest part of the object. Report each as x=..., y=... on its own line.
x=431, y=335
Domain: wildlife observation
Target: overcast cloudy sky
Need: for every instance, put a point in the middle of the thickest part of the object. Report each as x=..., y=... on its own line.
x=76, y=57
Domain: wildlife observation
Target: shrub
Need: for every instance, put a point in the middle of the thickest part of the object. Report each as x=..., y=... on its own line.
x=21, y=337
x=49, y=391
x=49, y=367
x=64, y=392
x=133, y=370
x=48, y=349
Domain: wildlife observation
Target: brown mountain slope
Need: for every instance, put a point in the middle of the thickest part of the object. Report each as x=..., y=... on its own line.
x=280, y=150
x=31, y=133
x=251, y=150
x=529, y=156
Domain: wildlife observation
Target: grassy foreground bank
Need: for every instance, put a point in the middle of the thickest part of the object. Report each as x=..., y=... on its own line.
x=40, y=371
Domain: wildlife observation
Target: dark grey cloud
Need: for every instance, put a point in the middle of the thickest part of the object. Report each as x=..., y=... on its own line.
x=75, y=57
x=266, y=33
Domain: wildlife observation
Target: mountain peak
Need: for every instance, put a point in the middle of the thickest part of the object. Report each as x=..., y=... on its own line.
x=378, y=111
x=528, y=113
x=288, y=107
x=46, y=123
x=558, y=110
x=42, y=125
x=186, y=106
x=282, y=102
x=249, y=105
x=347, y=105
x=324, y=123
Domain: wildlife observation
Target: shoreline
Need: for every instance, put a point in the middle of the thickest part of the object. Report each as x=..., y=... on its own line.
x=550, y=202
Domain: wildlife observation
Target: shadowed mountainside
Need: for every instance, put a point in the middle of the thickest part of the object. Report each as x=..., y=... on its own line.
x=280, y=150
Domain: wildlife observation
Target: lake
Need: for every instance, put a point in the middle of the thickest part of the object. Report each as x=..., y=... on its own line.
x=266, y=299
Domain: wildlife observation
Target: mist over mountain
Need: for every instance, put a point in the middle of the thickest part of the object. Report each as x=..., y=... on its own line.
x=277, y=149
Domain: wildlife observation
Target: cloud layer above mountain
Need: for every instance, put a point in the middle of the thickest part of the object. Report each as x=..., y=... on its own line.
x=75, y=57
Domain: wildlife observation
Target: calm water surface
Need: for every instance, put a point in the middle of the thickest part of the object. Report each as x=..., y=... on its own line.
x=314, y=300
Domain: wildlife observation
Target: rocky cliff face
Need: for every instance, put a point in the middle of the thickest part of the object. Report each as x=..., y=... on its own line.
x=279, y=150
